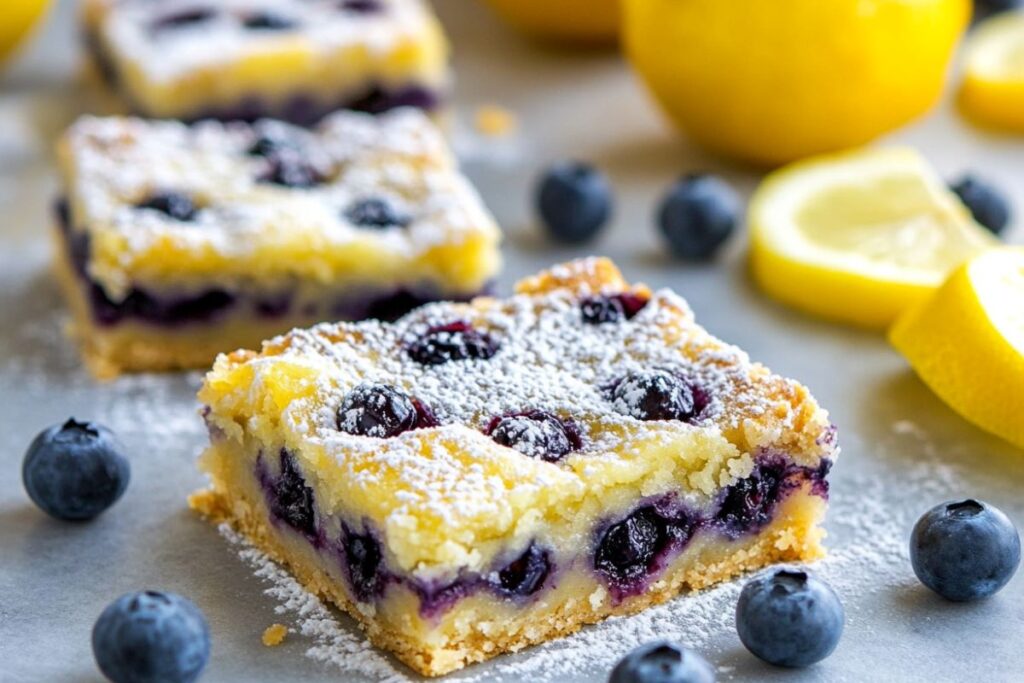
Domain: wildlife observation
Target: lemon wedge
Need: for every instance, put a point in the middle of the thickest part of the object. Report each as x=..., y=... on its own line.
x=859, y=237
x=992, y=91
x=966, y=342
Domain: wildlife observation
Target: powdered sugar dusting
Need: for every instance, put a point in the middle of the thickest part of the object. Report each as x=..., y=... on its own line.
x=869, y=554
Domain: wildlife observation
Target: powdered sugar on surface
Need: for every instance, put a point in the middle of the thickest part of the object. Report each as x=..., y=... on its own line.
x=868, y=554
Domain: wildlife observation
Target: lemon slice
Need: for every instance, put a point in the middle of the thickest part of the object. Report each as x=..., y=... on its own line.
x=992, y=91
x=859, y=237
x=967, y=342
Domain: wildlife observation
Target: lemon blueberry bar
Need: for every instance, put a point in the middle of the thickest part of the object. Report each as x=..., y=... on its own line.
x=179, y=242
x=295, y=60
x=478, y=477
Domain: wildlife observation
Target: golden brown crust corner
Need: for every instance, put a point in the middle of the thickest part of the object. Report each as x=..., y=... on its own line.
x=593, y=274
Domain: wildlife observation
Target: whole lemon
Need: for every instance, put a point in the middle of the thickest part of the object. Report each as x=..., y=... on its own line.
x=16, y=20
x=771, y=81
x=575, y=21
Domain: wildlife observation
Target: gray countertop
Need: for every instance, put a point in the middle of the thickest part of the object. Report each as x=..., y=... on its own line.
x=903, y=450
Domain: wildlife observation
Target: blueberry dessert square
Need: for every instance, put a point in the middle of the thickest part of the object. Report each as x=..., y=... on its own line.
x=295, y=60
x=475, y=478
x=178, y=242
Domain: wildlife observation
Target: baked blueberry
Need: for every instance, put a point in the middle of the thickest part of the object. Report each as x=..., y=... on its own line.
x=76, y=470
x=987, y=204
x=662, y=662
x=289, y=170
x=964, y=550
x=598, y=310
x=291, y=500
x=364, y=561
x=151, y=637
x=747, y=505
x=452, y=342
x=377, y=410
x=655, y=395
x=268, y=21
x=697, y=215
x=789, y=618
x=175, y=205
x=374, y=212
x=574, y=201
x=526, y=574
x=361, y=6
x=627, y=549
x=537, y=434
x=189, y=17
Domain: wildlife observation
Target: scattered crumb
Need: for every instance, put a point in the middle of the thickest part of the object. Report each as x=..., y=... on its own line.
x=274, y=635
x=495, y=121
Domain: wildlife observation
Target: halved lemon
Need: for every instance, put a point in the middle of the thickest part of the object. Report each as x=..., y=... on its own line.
x=992, y=91
x=859, y=237
x=967, y=342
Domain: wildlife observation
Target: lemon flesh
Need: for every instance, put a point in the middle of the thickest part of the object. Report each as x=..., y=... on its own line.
x=775, y=81
x=992, y=91
x=859, y=237
x=19, y=16
x=967, y=342
x=568, y=21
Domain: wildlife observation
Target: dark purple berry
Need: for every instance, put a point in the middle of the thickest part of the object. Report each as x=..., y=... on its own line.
x=189, y=17
x=574, y=201
x=175, y=205
x=986, y=203
x=272, y=144
x=374, y=212
x=377, y=410
x=525, y=575
x=364, y=560
x=627, y=549
x=360, y=6
x=662, y=662
x=655, y=395
x=268, y=21
x=452, y=342
x=288, y=170
x=598, y=310
x=291, y=500
x=697, y=216
x=536, y=434
x=747, y=505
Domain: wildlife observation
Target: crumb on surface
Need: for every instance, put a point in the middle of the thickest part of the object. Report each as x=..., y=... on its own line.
x=274, y=635
x=495, y=121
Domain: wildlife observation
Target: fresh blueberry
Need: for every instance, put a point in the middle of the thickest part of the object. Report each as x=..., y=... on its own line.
x=189, y=17
x=662, y=662
x=986, y=203
x=76, y=470
x=789, y=618
x=291, y=499
x=598, y=310
x=655, y=395
x=374, y=212
x=987, y=7
x=697, y=215
x=178, y=206
x=574, y=200
x=377, y=410
x=526, y=574
x=537, y=434
x=627, y=549
x=361, y=6
x=268, y=21
x=965, y=550
x=151, y=637
x=289, y=170
x=364, y=561
x=452, y=342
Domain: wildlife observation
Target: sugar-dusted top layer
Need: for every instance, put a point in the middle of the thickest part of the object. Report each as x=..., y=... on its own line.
x=445, y=494
x=170, y=40
x=275, y=202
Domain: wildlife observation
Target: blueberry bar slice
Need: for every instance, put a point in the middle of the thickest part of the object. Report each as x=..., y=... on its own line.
x=295, y=60
x=178, y=242
x=478, y=477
